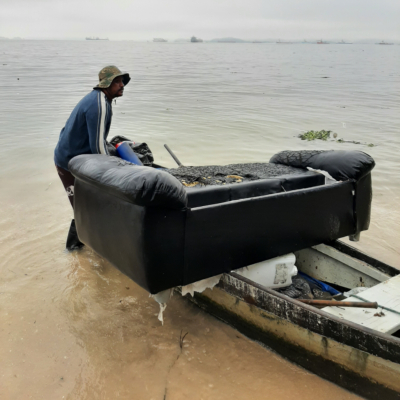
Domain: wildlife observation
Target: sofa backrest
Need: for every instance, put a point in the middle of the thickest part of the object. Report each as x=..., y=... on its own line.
x=202, y=196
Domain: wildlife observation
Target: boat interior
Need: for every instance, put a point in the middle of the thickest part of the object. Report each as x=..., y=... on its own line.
x=357, y=280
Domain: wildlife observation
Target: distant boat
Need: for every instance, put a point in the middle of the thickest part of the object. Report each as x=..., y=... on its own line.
x=194, y=39
x=385, y=43
x=321, y=42
x=95, y=38
x=159, y=40
x=280, y=42
x=343, y=42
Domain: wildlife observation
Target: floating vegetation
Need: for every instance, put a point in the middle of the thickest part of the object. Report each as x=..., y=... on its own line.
x=355, y=142
x=313, y=135
x=325, y=135
x=347, y=141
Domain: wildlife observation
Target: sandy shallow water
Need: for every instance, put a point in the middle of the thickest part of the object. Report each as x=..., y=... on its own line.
x=72, y=326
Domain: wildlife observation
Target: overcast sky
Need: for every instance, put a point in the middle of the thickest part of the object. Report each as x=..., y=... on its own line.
x=208, y=19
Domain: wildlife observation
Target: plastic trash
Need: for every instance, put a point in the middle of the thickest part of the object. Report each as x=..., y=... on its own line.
x=323, y=286
x=201, y=286
x=274, y=273
x=142, y=150
x=126, y=153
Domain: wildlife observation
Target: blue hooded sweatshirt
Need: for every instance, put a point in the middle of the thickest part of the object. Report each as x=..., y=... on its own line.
x=86, y=129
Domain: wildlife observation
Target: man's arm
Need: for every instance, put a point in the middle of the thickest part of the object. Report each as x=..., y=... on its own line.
x=96, y=119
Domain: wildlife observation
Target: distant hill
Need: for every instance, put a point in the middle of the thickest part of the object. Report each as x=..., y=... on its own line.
x=4, y=38
x=229, y=40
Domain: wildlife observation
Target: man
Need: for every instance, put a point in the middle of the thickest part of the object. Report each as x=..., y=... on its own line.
x=86, y=130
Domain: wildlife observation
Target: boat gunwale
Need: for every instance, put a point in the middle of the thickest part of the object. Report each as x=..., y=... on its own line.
x=359, y=255
x=318, y=321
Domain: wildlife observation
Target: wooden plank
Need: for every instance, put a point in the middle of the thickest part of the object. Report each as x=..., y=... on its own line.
x=387, y=294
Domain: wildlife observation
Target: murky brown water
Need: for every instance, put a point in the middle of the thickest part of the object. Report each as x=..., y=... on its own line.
x=72, y=326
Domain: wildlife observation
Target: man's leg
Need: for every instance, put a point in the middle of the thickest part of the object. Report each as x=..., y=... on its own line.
x=68, y=180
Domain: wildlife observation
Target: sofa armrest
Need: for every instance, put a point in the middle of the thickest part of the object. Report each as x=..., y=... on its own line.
x=342, y=165
x=143, y=186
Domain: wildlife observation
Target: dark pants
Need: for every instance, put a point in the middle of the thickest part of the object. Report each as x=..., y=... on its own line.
x=68, y=180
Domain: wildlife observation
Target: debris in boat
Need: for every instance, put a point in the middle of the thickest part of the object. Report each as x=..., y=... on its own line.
x=276, y=272
x=340, y=304
x=379, y=314
x=305, y=287
x=233, y=173
x=299, y=289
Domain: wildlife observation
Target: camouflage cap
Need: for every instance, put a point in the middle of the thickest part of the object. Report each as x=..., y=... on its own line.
x=108, y=74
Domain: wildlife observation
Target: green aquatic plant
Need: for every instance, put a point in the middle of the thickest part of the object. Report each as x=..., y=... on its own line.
x=313, y=135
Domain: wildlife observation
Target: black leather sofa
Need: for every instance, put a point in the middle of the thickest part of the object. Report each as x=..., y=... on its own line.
x=162, y=235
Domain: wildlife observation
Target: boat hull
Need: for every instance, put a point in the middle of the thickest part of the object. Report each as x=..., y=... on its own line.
x=359, y=359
